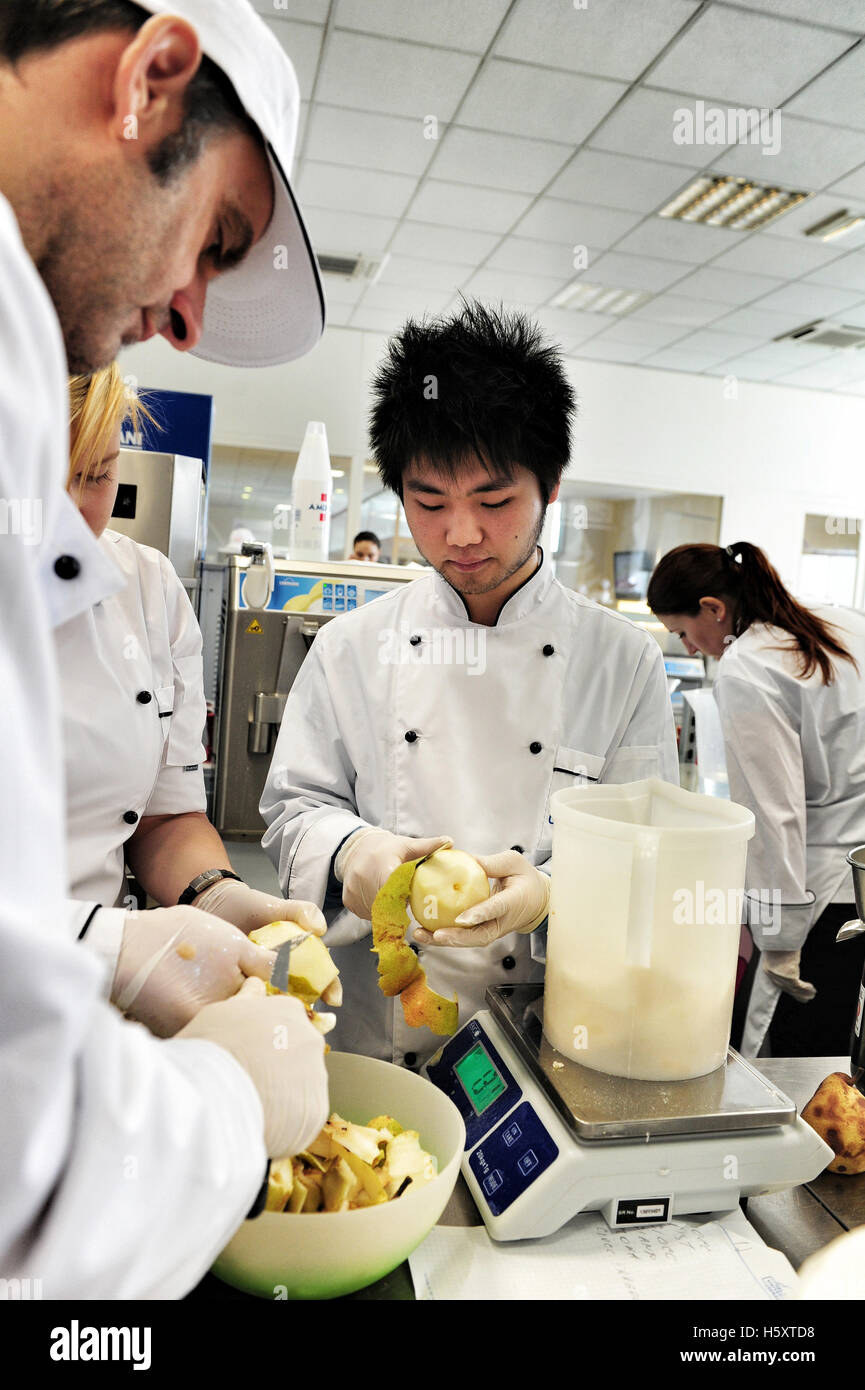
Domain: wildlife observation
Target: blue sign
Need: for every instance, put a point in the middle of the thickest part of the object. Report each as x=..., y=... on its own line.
x=184, y=425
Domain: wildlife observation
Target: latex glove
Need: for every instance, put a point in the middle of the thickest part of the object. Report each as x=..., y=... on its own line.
x=174, y=960
x=249, y=909
x=782, y=967
x=274, y=1042
x=369, y=857
x=519, y=902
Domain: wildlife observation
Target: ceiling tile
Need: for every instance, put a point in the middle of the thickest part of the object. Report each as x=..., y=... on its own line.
x=341, y=135
x=376, y=320
x=750, y=367
x=419, y=81
x=643, y=127
x=756, y=322
x=852, y=185
x=811, y=301
x=503, y=284
x=339, y=290
x=462, y=205
x=355, y=190
x=748, y=59
x=761, y=254
x=681, y=359
x=672, y=308
x=447, y=23
x=847, y=273
x=348, y=232
x=601, y=39
x=809, y=158
x=302, y=43
x=578, y=224
x=634, y=272
x=537, y=102
x=726, y=287
x=597, y=351
x=406, y=302
x=456, y=244
x=535, y=257
x=423, y=273
x=794, y=224
x=651, y=335
x=689, y=242
x=838, y=14
x=494, y=160
x=722, y=345
x=836, y=96
x=837, y=370
x=570, y=325
x=617, y=181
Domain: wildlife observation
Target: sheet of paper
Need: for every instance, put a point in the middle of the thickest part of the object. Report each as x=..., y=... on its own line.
x=693, y=1257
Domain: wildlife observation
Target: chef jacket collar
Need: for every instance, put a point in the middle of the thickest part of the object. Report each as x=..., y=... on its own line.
x=520, y=605
x=90, y=574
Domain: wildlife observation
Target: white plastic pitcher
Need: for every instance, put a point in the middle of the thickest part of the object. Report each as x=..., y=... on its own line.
x=645, y=907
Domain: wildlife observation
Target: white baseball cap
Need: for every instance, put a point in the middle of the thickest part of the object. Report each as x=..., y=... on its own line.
x=270, y=308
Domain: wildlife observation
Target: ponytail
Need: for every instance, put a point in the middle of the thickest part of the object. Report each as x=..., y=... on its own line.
x=742, y=576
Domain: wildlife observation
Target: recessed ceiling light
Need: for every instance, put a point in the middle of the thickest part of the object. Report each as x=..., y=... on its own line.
x=599, y=299
x=839, y=224
x=728, y=201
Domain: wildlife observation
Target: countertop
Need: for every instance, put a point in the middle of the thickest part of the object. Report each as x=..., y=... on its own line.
x=797, y=1222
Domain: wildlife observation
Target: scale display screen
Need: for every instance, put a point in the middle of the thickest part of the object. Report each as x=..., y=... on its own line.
x=480, y=1080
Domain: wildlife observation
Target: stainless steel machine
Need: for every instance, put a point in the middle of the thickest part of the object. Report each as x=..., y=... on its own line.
x=252, y=657
x=161, y=502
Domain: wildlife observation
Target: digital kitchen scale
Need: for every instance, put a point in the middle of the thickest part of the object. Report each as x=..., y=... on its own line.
x=547, y=1138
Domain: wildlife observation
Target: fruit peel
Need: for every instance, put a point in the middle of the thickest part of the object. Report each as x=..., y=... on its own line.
x=837, y=1112
x=399, y=971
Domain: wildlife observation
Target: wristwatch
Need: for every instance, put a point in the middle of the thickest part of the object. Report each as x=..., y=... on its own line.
x=202, y=881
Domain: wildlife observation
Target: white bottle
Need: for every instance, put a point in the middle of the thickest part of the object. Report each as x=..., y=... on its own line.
x=311, y=497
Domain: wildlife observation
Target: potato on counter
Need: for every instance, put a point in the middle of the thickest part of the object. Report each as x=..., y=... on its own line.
x=837, y=1112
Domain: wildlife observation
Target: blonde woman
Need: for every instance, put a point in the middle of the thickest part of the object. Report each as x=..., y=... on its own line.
x=134, y=712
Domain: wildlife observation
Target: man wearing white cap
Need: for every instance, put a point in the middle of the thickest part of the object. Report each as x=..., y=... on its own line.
x=144, y=161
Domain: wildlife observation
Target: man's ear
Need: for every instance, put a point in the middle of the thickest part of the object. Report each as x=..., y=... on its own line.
x=554, y=494
x=151, y=79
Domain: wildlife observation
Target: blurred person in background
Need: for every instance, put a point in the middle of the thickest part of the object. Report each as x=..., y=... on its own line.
x=367, y=546
x=790, y=690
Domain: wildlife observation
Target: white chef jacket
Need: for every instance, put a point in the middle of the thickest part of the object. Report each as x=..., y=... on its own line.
x=465, y=731
x=132, y=687
x=125, y=1161
x=796, y=758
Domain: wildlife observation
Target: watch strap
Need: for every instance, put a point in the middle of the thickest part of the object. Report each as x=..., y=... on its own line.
x=202, y=881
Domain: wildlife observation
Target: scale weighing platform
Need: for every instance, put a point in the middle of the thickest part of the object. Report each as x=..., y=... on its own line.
x=547, y=1138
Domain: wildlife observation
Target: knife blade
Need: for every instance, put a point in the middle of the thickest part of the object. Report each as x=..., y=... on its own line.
x=279, y=974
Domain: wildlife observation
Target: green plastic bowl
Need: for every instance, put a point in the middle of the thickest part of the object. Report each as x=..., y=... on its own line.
x=325, y=1254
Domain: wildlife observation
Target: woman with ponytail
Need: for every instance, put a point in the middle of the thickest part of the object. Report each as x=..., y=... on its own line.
x=790, y=690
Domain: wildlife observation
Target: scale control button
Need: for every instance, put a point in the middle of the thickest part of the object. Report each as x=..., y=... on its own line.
x=528, y=1162
x=511, y=1134
x=492, y=1182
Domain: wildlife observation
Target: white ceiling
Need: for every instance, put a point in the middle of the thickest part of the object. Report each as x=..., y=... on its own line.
x=554, y=131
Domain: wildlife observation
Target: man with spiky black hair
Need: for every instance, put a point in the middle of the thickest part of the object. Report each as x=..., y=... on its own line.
x=453, y=707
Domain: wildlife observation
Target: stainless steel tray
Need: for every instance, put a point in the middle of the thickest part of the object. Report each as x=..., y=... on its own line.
x=595, y=1106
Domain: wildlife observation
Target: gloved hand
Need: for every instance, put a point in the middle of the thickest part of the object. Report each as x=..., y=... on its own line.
x=173, y=960
x=369, y=857
x=782, y=967
x=249, y=909
x=519, y=902
x=273, y=1040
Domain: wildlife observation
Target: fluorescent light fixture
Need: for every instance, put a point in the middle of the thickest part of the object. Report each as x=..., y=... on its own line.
x=839, y=224
x=598, y=299
x=725, y=200
x=337, y=472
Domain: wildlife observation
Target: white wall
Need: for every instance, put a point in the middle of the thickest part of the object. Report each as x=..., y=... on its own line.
x=773, y=453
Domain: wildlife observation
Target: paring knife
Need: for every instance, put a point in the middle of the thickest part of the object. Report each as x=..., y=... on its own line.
x=279, y=974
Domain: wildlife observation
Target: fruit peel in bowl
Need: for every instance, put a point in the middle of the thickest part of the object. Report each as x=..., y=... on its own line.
x=317, y=1255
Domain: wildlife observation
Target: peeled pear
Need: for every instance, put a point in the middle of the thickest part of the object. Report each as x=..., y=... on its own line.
x=399, y=970
x=444, y=885
x=311, y=968
x=837, y=1112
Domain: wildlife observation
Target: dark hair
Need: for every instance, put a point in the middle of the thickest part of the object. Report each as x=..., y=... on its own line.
x=480, y=384
x=753, y=589
x=367, y=536
x=210, y=101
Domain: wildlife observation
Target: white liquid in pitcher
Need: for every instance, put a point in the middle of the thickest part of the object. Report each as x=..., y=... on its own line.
x=650, y=1024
